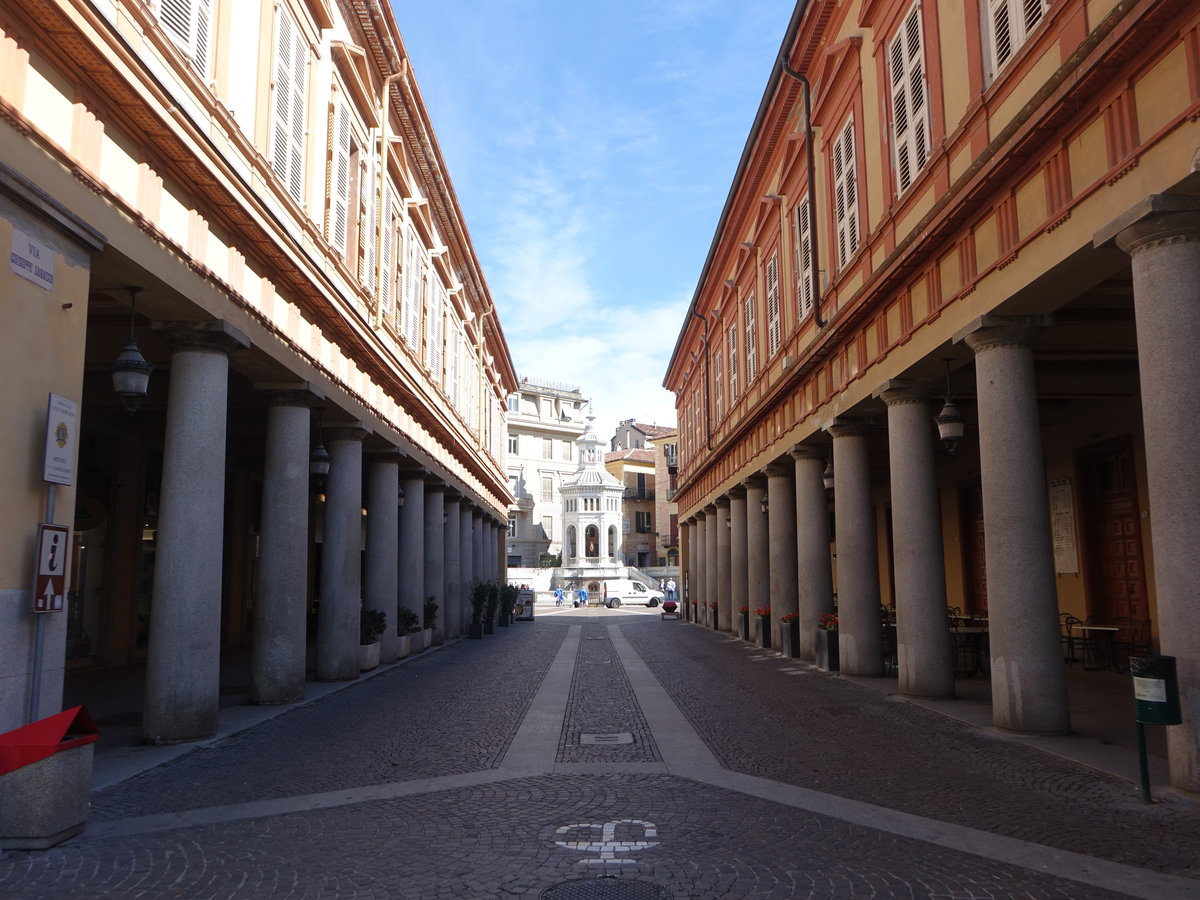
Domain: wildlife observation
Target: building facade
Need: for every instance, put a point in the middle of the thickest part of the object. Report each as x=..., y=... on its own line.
x=985, y=213
x=635, y=470
x=666, y=511
x=249, y=199
x=591, y=496
x=544, y=421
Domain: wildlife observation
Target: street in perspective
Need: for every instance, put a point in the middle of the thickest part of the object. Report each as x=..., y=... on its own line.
x=591, y=752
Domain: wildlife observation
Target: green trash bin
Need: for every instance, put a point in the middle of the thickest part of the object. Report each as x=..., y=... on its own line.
x=1155, y=690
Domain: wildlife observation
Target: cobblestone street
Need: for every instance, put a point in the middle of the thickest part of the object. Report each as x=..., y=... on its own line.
x=600, y=743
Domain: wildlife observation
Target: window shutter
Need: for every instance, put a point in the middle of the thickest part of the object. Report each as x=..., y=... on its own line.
x=731, y=342
x=291, y=73
x=910, y=124
x=751, y=341
x=804, y=260
x=718, y=387
x=773, y=324
x=187, y=23
x=367, y=222
x=385, y=240
x=845, y=194
x=339, y=201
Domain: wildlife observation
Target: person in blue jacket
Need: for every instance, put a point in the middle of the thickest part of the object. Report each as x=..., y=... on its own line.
x=583, y=596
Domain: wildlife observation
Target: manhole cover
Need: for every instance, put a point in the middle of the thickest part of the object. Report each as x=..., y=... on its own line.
x=605, y=888
x=619, y=737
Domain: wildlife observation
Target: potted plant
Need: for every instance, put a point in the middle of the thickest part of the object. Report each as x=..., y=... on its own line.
x=490, y=605
x=764, y=626
x=371, y=624
x=508, y=599
x=743, y=623
x=430, y=614
x=827, y=642
x=712, y=614
x=478, y=597
x=408, y=623
x=789, y=635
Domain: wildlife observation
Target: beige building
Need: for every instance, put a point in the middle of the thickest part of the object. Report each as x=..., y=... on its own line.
x=984, y=212
x=248, y=196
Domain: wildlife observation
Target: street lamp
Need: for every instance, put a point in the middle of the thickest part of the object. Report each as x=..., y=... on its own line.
x=950, y=423
x=130, y=370
x=827, y=476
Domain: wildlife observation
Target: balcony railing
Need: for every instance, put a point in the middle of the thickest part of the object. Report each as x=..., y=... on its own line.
x=636, y=494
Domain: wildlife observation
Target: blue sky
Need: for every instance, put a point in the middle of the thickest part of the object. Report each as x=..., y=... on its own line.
x=592, y=144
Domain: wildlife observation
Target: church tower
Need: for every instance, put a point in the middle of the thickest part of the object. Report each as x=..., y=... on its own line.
x=591, y=512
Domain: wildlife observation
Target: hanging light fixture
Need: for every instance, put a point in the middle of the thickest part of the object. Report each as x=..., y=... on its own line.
x=319, y=459
x=827, y=476
x=130, y=370
x=950, y=423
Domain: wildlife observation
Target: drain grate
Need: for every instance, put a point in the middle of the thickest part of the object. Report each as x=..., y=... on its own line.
x=610, y=739
x=606, y=887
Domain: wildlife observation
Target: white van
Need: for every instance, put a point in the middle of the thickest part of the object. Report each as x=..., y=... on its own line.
x=625, y=590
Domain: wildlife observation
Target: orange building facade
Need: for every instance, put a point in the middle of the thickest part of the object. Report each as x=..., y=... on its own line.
x=986, y=213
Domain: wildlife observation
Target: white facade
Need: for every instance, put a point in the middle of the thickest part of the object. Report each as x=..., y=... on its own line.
x=544, y=421
x=591, y=508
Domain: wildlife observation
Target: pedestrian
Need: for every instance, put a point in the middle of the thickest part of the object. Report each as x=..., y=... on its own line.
x=669, y=588
x=558, y=597
x=583, y=596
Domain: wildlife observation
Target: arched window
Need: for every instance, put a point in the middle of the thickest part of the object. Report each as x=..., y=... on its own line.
x=571, y=554
x=612, y=541
x=591, y=541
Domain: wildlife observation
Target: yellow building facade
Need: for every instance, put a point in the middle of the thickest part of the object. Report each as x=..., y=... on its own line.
x=986, y=213
x=252, y=196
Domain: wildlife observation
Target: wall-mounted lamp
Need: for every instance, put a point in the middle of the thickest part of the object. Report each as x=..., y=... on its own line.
x=827, y=476
x=319, y=459
x=950, y=423
x=764, y=504
x=130, y=370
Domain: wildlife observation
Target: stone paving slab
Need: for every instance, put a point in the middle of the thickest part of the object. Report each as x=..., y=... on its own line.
x=507, y=840
x=780, y=720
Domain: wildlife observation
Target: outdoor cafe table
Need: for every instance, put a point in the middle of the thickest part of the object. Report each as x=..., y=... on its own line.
x=1102, y=649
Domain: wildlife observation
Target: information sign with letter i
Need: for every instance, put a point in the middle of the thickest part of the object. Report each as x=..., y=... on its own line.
x=50, y=580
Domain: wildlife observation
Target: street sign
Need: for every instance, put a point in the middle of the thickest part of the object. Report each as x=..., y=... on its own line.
x=62, y=417
x=50, y=570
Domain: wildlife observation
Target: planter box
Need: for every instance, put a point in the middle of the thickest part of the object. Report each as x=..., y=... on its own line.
x=712, y=619
x=368, y=656
x=743, y=626
x=789, y=639
x=475, y=631
x=764, y=632
x=426, y=637
x=46, y=780
x=403, y=646
x=827, y=650
x=489, y=627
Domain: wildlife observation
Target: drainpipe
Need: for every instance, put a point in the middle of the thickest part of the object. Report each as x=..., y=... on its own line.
x=812, y=185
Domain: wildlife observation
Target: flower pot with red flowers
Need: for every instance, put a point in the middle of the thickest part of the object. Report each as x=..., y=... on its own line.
x=789, y=635
x=764, y=626
x=827, y=642
x=743, y=623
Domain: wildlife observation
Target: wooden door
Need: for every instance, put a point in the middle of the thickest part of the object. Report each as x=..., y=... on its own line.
x=1111, y=528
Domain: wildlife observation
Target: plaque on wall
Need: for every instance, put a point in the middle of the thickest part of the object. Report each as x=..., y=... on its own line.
x=1062, y=527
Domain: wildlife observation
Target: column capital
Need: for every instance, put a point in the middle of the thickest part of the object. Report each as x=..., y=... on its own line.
x=411, y=471
x=711, y=509
x=817, y=452
x=848, y=427
x=433, y=483
x=383, y=456
x=778, y=469
x=737, y=492
x=293, y=393
x=899, y=391
x=722, y=502
x=216, y=337
x=757, y=481
x=356, y=431
x=1159, y=218
x=987, y=332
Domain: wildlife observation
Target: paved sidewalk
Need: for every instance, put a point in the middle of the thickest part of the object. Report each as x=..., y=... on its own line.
x=592, y=743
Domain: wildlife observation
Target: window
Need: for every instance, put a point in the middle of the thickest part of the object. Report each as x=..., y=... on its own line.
x=512, y=526
x=547, y=488
x=751, y=340
x=514, y=402
x=413, y=287
x=187, y=23
x=732, y=343
x=804, y=260
x=718, y=386
x=773, y=327
x=910, y=111
x=338, y=228
x=547, y=527
x=547, y=448
x=435, y=328
x=566, y=450
x=1009, y=25
x=845, y=191
x=512, y=444
x=289, y=105
x=642, y=522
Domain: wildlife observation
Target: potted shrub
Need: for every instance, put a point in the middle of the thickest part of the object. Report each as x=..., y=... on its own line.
x=789, y=635
x=430, y=611
x=827, y=642
x=408, y=623
x=490, y=605
x=477, y=594
x=764, y=626
x=508, y=600
x=371, y=624
x=743, y=623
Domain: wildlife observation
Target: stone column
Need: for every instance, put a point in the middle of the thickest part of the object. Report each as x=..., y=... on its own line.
x=465, y=561
x=739, y=585
x=814, y=567
x=713, y=522
x=477, y=543
x=452, y=608
x=1028, y=683
x=923, y=649
x=860, y=638
x=184, y=658
x=726, y=613
x=435, y=555
x=340, y=608
x=781, y=519
x=383, y=534
x=410, y=557
x=281, y=603
x=1162, y=235
x=700, y=567
x=758, y=544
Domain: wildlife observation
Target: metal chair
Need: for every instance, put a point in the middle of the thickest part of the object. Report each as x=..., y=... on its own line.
x=1068, y=638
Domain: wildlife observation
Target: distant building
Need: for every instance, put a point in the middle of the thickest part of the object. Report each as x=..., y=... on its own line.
x=635, y=470
x=634, y=435
x=591, y=516
x=647, y=471
x=544, y=421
